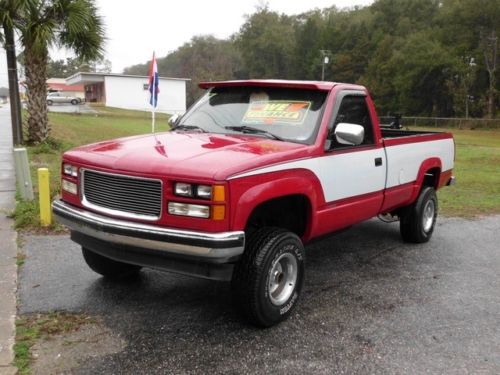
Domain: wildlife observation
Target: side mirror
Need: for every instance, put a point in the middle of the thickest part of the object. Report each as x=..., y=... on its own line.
x=172, y=121
x=349, y=134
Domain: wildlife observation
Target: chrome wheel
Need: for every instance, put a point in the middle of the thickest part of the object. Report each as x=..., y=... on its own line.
x=282, y=279
x=428, y=215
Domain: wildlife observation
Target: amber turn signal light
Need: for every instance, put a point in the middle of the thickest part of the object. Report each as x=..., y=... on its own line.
x=219, y=193
x=218, y=212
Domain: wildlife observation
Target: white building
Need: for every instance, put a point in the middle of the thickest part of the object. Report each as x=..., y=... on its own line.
x=131, y=92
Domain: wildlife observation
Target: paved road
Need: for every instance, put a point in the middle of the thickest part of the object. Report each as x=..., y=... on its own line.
x=371, y=304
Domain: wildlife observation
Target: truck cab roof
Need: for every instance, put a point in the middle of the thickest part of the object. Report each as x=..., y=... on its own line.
x=308, y=85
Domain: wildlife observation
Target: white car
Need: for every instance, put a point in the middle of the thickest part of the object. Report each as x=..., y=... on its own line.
x=60, y=97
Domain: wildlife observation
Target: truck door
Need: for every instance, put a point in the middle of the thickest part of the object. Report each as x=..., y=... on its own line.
x=353, y=176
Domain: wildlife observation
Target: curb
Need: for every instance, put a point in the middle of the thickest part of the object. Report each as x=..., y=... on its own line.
x=8, y=288
x=8, y=247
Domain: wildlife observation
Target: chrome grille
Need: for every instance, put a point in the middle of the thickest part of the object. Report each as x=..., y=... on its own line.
x=122, y=195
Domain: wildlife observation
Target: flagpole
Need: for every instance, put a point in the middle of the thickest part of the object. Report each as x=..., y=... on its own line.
x=153, y=117
x=153, y=96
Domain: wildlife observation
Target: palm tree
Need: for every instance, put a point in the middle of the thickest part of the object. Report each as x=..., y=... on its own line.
x=41, y=24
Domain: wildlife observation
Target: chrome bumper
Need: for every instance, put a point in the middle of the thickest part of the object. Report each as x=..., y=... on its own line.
x=222, y=247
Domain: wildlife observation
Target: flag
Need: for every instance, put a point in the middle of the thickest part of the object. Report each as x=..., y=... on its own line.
x=154, y=82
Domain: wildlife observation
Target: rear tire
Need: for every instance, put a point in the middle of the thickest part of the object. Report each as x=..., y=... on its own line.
x=50, y=102
x=417, y=221
x=268, y=279
x=109, y=268
x=74, y=101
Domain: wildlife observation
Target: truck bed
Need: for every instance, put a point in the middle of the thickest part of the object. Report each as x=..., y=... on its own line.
x=398, y=133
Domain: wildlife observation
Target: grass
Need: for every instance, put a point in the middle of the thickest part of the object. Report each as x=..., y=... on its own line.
x=31, y=328
x=70, y=130
x=20, y=259
x=477, y=161
x=477, y=168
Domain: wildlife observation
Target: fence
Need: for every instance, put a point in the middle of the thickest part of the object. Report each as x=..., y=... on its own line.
x=445, y=122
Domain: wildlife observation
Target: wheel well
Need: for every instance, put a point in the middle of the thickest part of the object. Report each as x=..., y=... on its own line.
x=290, y=212
x=431, y=178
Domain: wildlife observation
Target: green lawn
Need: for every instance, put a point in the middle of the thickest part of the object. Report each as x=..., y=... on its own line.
x=70, y=130
x=477, y=166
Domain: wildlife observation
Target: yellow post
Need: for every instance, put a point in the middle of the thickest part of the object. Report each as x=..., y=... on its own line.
x=44, y=191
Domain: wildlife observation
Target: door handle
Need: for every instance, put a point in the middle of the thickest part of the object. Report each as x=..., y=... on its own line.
x=378, y=162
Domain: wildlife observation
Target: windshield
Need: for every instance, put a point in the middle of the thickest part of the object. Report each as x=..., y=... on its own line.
x=280, y=113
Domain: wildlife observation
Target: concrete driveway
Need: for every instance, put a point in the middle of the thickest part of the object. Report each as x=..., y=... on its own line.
x=70, y=108
x=371, y=304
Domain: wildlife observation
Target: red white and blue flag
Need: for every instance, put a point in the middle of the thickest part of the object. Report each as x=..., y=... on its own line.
x=154, y=82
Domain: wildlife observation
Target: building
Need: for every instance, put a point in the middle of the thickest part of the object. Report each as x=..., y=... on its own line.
x=60, y=85
x=131, y=92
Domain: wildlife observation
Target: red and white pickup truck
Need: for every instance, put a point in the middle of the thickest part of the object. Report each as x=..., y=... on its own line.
x=248, y=175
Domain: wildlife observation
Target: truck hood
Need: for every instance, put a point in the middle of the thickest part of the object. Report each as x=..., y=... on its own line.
x=187, y=155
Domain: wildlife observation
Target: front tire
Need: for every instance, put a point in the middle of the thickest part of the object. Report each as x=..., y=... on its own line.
x=74, y=101
x=268, y=279
x=109, y=268
x=50, y=102
x=417, y=221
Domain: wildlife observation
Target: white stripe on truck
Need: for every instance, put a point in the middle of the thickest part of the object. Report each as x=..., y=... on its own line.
x=354, y=173
x=405, y=160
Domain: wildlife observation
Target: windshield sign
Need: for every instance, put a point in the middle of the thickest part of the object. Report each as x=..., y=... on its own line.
x=293, y=112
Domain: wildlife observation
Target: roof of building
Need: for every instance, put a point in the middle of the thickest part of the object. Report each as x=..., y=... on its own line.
x=64, y=87
x=99, y=77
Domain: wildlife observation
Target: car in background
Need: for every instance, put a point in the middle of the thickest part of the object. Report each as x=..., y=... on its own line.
x=60, y=97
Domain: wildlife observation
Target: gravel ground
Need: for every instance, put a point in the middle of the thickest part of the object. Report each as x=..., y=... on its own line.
x=371, y=304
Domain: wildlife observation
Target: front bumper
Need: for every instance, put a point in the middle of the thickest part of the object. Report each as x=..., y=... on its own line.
x=208, y=255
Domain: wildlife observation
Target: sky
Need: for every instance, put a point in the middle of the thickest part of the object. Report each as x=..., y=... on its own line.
x=134, y=29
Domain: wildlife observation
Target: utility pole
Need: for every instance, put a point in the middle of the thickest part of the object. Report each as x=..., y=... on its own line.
x=15, y=102
x=325, y=59
x=468, y=79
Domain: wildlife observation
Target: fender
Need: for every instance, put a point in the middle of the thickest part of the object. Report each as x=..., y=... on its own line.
x=426, y=165
x=252, y=191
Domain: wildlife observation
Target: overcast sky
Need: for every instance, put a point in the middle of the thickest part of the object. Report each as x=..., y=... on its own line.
x=135, y=29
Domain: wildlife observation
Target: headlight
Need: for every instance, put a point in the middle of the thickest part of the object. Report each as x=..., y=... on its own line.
x=70, y=187
x=204, y=191
x=183, y=189
x=70, y=170
x=194, y=210
x=190, y=190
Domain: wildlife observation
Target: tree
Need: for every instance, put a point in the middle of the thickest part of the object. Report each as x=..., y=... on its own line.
x=266, y=42
x=307, y=59
x=204, y=58
x=421, y=66
x=65, y=68
x=473, y=27
x=73, y=24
